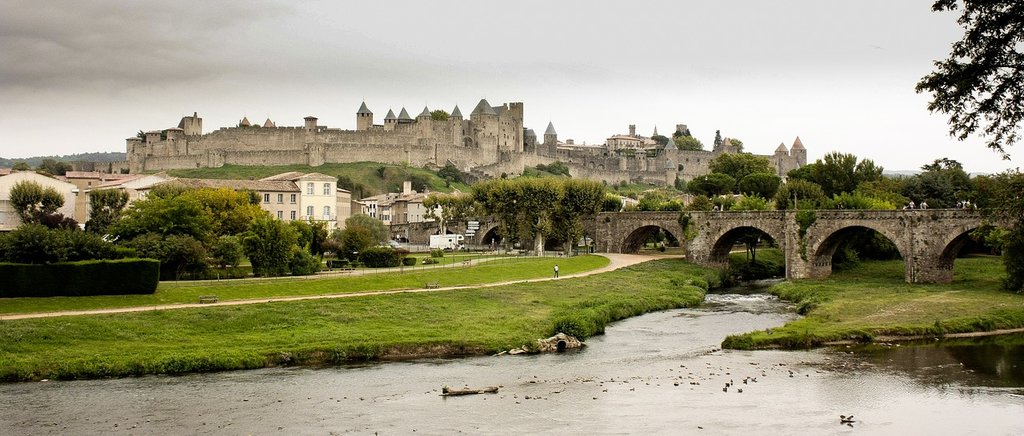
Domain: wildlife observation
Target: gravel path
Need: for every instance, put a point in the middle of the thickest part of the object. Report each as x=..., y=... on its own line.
x=616, y=261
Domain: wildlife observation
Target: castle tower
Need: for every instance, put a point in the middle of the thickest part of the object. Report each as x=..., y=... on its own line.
x=193, y=126
x=655, y=132
x=245, y=122
x=799, y=152
x=423, y=116
x=364, y=118
x=269, y=123
x=310, y=123
x=550, y=136
x=781, y=150
x=632, y=130
x=456, y=114
x=390, y=120
x=404, y=118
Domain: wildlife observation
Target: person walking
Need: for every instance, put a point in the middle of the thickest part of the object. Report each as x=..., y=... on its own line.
x=556, y=270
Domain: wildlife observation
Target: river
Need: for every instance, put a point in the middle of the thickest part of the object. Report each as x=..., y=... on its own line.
x=660, y=373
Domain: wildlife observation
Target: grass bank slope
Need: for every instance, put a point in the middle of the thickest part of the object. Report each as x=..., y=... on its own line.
x=368, y=174
x=872, y=301
x=493, y=271
x=450, y=323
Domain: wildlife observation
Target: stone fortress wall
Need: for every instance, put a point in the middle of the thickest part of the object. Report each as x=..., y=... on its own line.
x=491, y=142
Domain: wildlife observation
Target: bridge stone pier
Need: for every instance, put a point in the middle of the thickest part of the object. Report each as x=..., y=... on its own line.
x=928, y=240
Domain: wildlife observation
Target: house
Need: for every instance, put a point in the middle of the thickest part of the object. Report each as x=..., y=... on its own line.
x=397, y=208
x=85, y=181
x=9, y=218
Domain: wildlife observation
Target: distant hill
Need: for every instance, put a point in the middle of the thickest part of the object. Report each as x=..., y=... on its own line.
x=88, y=157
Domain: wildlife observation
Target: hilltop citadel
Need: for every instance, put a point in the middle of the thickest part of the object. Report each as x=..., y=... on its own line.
x=491, y=142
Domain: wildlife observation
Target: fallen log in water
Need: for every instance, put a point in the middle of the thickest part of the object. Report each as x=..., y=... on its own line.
x=449, y=392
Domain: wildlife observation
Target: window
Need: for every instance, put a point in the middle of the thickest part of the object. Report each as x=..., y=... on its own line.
x=266, y=198
x=309, y=209
x=280, y=214
x=280, y=198
x=309, y=188
x=327, y=189
x=293, y=215
x=327, y=212
x=293, y=199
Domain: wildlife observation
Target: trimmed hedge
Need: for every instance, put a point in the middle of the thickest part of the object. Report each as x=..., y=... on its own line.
x=88, y=277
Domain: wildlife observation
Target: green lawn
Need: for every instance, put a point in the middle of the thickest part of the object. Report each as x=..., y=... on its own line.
x=873, y=300
x=188, y=292
x=449, y=323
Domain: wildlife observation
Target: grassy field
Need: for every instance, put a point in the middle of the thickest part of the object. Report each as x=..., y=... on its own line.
x=873, y=300
x=365, y=173
x=449, y=323
x=226, y=290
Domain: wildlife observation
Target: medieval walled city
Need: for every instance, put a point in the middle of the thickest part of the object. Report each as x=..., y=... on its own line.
x=491, y=142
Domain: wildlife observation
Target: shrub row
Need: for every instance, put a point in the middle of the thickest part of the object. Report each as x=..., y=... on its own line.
x=89, y=277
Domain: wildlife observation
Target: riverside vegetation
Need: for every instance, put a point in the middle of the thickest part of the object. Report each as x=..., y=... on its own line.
x=449, y=323
x=871, y=302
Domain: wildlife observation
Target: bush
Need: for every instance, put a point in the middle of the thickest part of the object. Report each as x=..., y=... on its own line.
x=379, y=257
x=429, y=261
x=409, y=261
x=437, y=252
x=91, y=277
x=302, y=263
x=338, y=263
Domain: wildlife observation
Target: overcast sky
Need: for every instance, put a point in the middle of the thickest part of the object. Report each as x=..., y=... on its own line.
x=81, y=76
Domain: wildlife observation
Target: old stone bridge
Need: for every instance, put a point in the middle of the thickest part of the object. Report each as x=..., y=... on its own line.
x=928, y=240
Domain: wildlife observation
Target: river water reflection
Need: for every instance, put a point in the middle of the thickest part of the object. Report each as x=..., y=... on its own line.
x=660, y=373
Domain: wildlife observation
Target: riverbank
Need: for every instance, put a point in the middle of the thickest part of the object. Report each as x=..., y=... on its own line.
x=183, y=294
x=461, y=322
x=871, y=303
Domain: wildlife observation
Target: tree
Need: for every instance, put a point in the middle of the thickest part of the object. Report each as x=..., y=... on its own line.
x=105, y=206
x=942, y=185
x=378, y=231
x=660, y=139
x=31, y=201
x=711, y=184
x=838, y=172
x=21, y=166
x=611, y=203
x=178, y=254
x=981, y=85
x=439, y=115
x=798, y=192
x=226, y=251
x=764, y=185
x=268, y=244
x=736, y=143
x=687, y=142
x=450, y=173
x=53, y=167
x=163, y=216
x=448, y=208
x=581, y=199
x=999, y=198
x=230, y=211
x=740, y=165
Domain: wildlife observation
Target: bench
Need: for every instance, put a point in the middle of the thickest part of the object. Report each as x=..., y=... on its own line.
x=346, y=269
x=206, y=299
x=432, y=285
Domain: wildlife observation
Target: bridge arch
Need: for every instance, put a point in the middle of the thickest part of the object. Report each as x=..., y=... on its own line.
x=724, y=242
x=635, y=239
x=490, y=235
x=823, y=248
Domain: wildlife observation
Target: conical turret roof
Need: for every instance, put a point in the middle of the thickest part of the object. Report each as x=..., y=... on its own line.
x=551, y=129
x=655, y=131
x=797, y=145
x=456, y=112
x=782, y=148
x=269, y=123
x=245, y=122
x=363, y=110
x=670, y=145
x=404, y=115
x=390, y=116
x=425, y=113
x=484, y=108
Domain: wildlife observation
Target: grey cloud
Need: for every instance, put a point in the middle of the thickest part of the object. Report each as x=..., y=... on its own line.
x=52, y=45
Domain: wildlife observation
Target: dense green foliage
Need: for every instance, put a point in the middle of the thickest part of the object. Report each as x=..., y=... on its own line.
x=380, y=257
x=32, y=203
x=105, y=206
x=838, y=172
x=740, y=165
x=178, y=254
x=763, y=185
x=979, y=85
x=268, y=244
x=37, y=244
x=90, y=277
x=711, y=184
